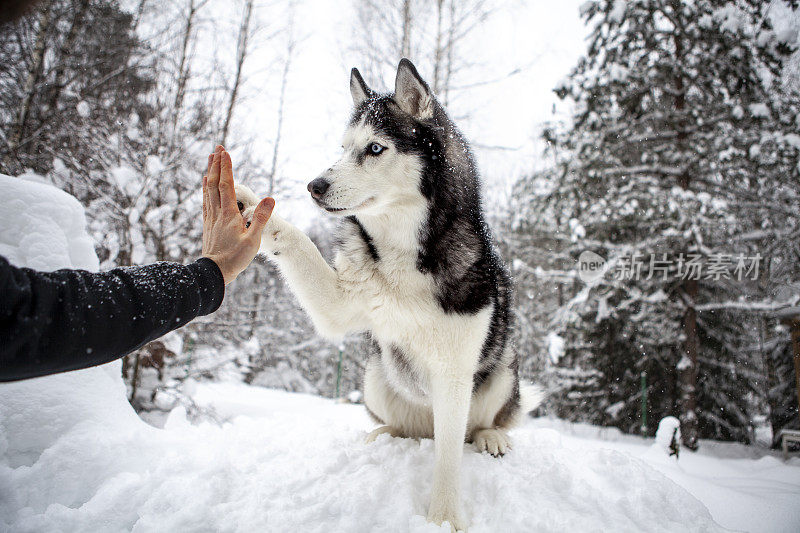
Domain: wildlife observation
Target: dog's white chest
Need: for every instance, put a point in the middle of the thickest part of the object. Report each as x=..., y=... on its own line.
x=401, y=306
x=387, y=282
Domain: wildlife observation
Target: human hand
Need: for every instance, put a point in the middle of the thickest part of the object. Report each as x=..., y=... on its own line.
x=226, y=240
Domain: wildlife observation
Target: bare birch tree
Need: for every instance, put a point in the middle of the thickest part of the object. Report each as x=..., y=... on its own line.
x=244, y=35
x=291, y=46
x=433, y=33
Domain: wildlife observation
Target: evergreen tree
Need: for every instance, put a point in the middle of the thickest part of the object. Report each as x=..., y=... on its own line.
x=79, y=69
x=682, y=155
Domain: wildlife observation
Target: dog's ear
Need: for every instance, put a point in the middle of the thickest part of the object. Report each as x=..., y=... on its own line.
x=411, y=92
x=358, y=89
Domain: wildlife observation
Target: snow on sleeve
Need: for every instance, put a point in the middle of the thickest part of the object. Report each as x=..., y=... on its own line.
x=83, y=109
x=617, y=12
x=759, y=110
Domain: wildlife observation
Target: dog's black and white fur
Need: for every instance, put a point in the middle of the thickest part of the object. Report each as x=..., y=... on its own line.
x=416, y=268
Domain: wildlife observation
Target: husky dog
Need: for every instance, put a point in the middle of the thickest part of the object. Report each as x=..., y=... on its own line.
x=415, y=267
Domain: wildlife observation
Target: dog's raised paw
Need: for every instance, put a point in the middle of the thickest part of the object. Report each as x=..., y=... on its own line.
x=374, y=434
x=245, y=197
x=246, y=202
x=494, y=441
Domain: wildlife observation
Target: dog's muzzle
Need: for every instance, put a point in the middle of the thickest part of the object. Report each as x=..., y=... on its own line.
x=318, y=188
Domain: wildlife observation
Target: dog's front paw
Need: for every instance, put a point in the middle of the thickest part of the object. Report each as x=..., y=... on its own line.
x=445, y=511
x=494, y=441
x=246, y=201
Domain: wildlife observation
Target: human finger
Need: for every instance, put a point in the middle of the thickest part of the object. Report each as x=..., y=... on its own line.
x=261, y=216
x=226, y=190
x=205, y=197
x=213, y=184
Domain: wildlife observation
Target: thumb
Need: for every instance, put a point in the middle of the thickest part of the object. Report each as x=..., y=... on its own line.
x=261, y=215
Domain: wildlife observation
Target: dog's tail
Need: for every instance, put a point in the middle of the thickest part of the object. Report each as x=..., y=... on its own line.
x=531, y=396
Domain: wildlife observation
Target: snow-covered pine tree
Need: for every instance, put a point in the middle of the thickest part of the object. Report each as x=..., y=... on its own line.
x=539, y=252
x=684, y=153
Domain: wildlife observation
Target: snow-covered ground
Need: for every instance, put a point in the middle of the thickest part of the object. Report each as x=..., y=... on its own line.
x=75, y=457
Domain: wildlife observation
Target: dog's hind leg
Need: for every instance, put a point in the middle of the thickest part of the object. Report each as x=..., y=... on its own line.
x=494, y=410
x=375, y=433
x=492, y=440
x=385, y=405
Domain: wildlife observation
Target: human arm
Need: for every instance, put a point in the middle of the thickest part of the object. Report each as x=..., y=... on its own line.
x=59, y=321
x=69, y=319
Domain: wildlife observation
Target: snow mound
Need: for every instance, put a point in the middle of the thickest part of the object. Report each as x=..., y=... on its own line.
x=43, y=227
x=669, y=431
x=291, y=462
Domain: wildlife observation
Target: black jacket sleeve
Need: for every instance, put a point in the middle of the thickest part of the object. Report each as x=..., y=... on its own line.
x=69, y=319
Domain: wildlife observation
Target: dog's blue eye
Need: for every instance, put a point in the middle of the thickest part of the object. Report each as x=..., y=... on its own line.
x=375, y=148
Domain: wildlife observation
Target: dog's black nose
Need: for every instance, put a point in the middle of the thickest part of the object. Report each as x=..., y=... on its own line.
x=318, y=187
